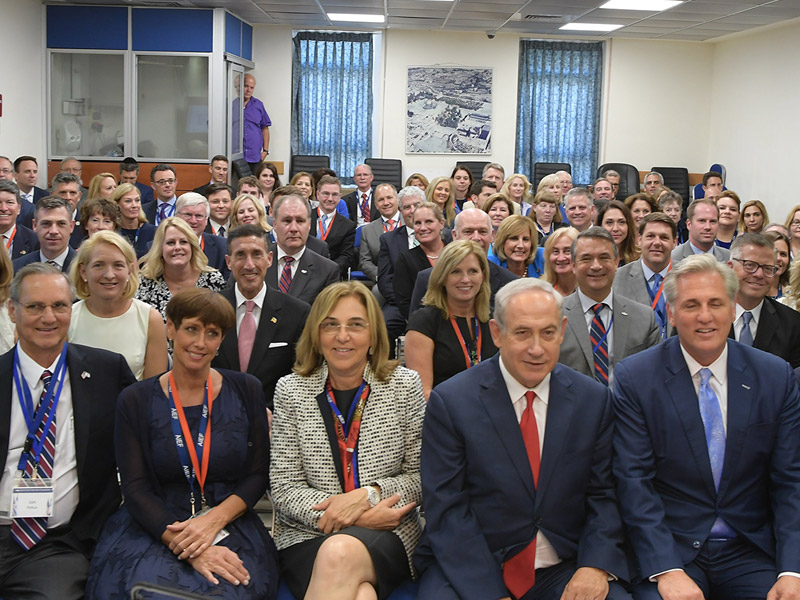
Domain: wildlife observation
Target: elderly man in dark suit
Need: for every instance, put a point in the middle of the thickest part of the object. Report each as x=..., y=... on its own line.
x=602, y=327
x=18, y=239
x=360, y=202
x=297, y=270
x=268, y=323
x=762, y=322
x=67, y=438
x=516, y=469
x=706, y=453
x=389, y=220
x=643, y=280
x=53, y=225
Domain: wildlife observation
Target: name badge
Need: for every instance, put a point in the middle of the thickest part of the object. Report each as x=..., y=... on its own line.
x=223, y=533
x=32, y=498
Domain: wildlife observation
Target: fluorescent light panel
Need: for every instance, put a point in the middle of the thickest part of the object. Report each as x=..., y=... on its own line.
x=356, y=18
x=645, y=5
x=589, y=27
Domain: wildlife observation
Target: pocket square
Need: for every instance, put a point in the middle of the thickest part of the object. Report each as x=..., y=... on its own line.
x=278, y=344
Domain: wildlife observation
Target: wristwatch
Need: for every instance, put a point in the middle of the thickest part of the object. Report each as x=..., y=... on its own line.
x=373, y=495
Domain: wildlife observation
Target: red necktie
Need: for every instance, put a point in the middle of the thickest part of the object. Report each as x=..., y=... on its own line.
x=390, y=225
x=365, y=207
x=519, y=572
x=247, y=335
x=286, y=275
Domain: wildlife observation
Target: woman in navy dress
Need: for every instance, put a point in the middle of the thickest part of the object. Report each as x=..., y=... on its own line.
x=224, y=551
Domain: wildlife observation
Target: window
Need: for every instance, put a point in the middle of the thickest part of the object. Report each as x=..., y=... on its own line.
x=332, y=98
x=558, y=118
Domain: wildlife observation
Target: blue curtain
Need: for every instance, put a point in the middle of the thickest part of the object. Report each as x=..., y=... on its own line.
x=332, y=98
x=558, y=118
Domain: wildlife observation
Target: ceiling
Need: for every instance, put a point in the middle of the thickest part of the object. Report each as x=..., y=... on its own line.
x=696, y=20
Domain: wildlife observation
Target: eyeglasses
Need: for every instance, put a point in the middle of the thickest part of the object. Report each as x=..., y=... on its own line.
x=165, y=181
x=332, y=327
x=794, y=223
x=6, y=171
x=190, y=217
x=751, y=266
x=36, y=309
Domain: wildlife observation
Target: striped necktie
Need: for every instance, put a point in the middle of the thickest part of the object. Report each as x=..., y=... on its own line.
x=29, y=531
x=599, y=340
x=286, y=275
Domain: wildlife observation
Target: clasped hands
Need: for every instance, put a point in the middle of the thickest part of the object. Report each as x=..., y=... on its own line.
x=352, y=508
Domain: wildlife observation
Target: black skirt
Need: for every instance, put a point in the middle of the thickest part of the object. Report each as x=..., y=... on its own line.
x=385, y=548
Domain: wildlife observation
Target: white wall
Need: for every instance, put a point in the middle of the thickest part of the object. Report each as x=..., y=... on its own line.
x=22, y=49
x=754, y=115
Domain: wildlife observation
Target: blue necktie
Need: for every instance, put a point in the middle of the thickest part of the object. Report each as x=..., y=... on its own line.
x=660, y=308
x=599, y=341
x=711, y=414
x=746, y=337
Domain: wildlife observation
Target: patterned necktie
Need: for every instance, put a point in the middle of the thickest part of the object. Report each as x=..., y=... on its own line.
x=519, y=571
x=599, y=341
x=711, y=414
x=323, y=221
x=247, y=336
x=221, y=231
x=162, y=213
x=365, y=207
x=390, y=225
x=746, y=337
x=29, y=531
x=286, y=275
x=660, y=308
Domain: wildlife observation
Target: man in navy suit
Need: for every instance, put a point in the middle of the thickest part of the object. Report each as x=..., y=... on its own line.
x=339, y=233
x=165, y=182
x=706, y=454
x=129, y=173
x=17, y=239
x=26, y=173
x=194, y=209
x=53, y=225
x=516, y=469
x=360, y=203
x=219, y=173
x=83, y=466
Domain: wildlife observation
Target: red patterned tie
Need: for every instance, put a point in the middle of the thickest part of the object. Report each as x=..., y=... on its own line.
x=365, y=207
x=286, y=275
x=29, y=531
x=519, y=572
x=247, y=335
x=390, y=224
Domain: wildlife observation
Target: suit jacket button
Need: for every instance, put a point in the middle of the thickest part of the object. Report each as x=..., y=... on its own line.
x=539, y=521
x=695, y=544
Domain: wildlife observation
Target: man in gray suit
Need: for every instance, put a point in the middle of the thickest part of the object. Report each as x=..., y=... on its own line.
x=702, y=218
x=296, y=270
x=642, y=280
x=602, y=327
x=385, y=198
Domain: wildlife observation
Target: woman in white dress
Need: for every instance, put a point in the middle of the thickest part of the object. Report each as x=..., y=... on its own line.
x=108, y=316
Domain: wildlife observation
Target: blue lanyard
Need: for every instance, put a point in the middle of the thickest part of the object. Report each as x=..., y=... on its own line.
x=34, y=419
x=346, y=423
x=180, y=442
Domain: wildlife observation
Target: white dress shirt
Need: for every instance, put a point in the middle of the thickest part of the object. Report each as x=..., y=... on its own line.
x=738, y=324
x=59, y=260
x=281, y=262
x=65, y=464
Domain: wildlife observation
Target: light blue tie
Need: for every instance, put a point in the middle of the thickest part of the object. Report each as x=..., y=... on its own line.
x=711, y=414
x=746, y=337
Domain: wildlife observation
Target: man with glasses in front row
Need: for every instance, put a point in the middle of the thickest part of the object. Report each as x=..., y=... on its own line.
x=762, y=322
x=165, y=182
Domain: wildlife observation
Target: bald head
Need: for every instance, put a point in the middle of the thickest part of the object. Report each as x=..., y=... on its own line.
x=473, y=224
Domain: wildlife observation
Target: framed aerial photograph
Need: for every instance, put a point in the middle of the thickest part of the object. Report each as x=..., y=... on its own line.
x=449, y=110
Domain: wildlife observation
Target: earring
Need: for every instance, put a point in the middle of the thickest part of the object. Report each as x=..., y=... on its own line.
x=170, y=344
x=217, y=354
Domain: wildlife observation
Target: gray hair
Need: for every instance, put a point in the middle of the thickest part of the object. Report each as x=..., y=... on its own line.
x=657, y=174
x=65, y=178
x=758, y=240
x=192, y=199
x=410, y=190
x=6, y=185
x=596, y=233
x=611, y=172
x=364, y=165
x=700, y=263
x=496, y=166
x=521, y=286
x=66, y=159
x=578, y=191
x=276, y=205
x=36, y=268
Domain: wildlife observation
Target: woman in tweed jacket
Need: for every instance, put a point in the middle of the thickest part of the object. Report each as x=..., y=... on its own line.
x=345, y=455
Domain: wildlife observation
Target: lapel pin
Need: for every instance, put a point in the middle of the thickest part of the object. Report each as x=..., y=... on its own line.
x=303, y=271
x=747, y=387
x=86, y=375
x=23, y=252
x=624, y=314
x=274, y=320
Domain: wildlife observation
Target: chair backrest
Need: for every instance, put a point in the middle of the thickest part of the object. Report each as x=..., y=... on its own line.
x=386, y=170
x=676, y=179
x=475, y=167
x=241, y=168
x=308, y=163
x=540, y=169
x=628, y=178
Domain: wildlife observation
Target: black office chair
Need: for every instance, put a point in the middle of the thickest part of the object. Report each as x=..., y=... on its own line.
x=629, y=182
x=241, y=168
x=308, y=163
x=540, y=169
x=676, y=179
x=475, y=167
x=386, y=170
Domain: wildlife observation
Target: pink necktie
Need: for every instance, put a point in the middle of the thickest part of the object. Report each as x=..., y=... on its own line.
x=247, y=335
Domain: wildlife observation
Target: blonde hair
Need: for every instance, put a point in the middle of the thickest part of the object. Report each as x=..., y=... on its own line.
x=152, y=263
x=123, y=189
x=84, y=256
x=449, y=209
x=309, y=355
x=515, y=225
x=526, y=193
x=572, y=233
x=452, y=255
x=259, y=206
x=94, y=185
x=764, y=216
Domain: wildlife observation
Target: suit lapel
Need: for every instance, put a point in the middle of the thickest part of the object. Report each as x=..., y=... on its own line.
x=229, y=349
x=495, y=399
x=267, y=324
x=560, y=408
x=302, y=275
x=740, y=404
x=6, y=393
x=577, y=325
x=82, y=410
x=680, y=388
x=621, y=327
x=767, y=326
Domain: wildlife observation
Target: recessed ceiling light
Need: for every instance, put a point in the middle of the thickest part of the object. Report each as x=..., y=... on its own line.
x=356, y=18
x=589, y=27
x=646, y=5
